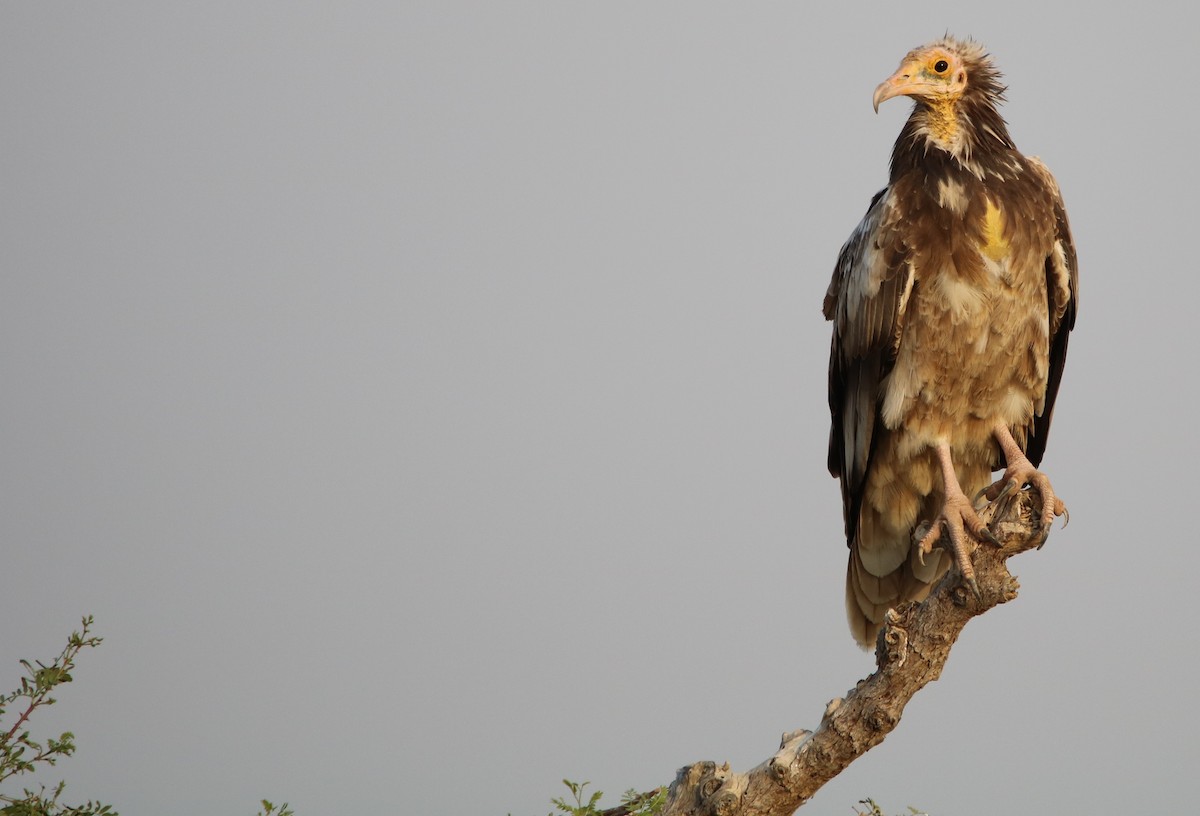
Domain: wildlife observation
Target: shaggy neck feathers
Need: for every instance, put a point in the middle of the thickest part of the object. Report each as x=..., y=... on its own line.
x=968, y=129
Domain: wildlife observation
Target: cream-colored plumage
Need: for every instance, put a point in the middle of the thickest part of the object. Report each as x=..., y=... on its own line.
x=951, y=304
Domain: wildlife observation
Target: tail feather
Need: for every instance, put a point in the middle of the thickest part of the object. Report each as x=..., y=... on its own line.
x=869, y=597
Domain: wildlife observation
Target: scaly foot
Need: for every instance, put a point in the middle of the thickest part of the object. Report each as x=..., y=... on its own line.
x=958, y=517
x=1021, y=472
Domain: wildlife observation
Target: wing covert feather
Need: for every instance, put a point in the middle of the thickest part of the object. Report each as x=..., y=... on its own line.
x=866, y=299
x=1062, y=294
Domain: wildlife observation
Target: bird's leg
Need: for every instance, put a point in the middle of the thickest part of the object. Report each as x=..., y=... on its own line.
x=959, y=517
x=1020, y=472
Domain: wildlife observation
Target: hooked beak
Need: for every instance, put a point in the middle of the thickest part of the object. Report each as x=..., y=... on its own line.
x=904, y=82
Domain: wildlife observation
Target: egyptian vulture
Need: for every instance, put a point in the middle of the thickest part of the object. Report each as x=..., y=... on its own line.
x=951, y=304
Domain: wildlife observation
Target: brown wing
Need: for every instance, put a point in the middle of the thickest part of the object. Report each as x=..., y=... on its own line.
x=871, y=285
x=1062, y=295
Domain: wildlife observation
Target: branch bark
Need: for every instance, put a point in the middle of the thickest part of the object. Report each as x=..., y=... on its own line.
x=910, y=653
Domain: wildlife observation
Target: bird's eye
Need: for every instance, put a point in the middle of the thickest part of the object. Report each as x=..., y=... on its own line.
x=940, y=66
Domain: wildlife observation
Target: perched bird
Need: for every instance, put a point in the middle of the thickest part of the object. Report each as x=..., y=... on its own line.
x=951, y=305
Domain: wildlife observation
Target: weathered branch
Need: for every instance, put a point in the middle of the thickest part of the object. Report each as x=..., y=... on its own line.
x=911, y=651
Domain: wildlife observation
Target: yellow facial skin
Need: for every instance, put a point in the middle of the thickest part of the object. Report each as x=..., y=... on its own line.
x=936, y=76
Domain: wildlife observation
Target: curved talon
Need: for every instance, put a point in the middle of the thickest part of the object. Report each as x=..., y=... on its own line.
x=925, y=545
x=961, y=521
x=1009, y=486
x=1042, y=536
x=960, y=524
x=974, y=585
x=975, y=526
x=1020, y=471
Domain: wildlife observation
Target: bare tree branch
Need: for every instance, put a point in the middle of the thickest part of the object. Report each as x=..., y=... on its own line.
x=911, y=651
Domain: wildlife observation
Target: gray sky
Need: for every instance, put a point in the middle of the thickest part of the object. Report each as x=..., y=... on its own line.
x=428, y=400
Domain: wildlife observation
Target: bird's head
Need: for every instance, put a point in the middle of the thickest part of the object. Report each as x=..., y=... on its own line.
x=956, y=89
x=935, y=73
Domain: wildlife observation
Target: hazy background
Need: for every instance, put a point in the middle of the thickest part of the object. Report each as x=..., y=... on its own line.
x=428, y=400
